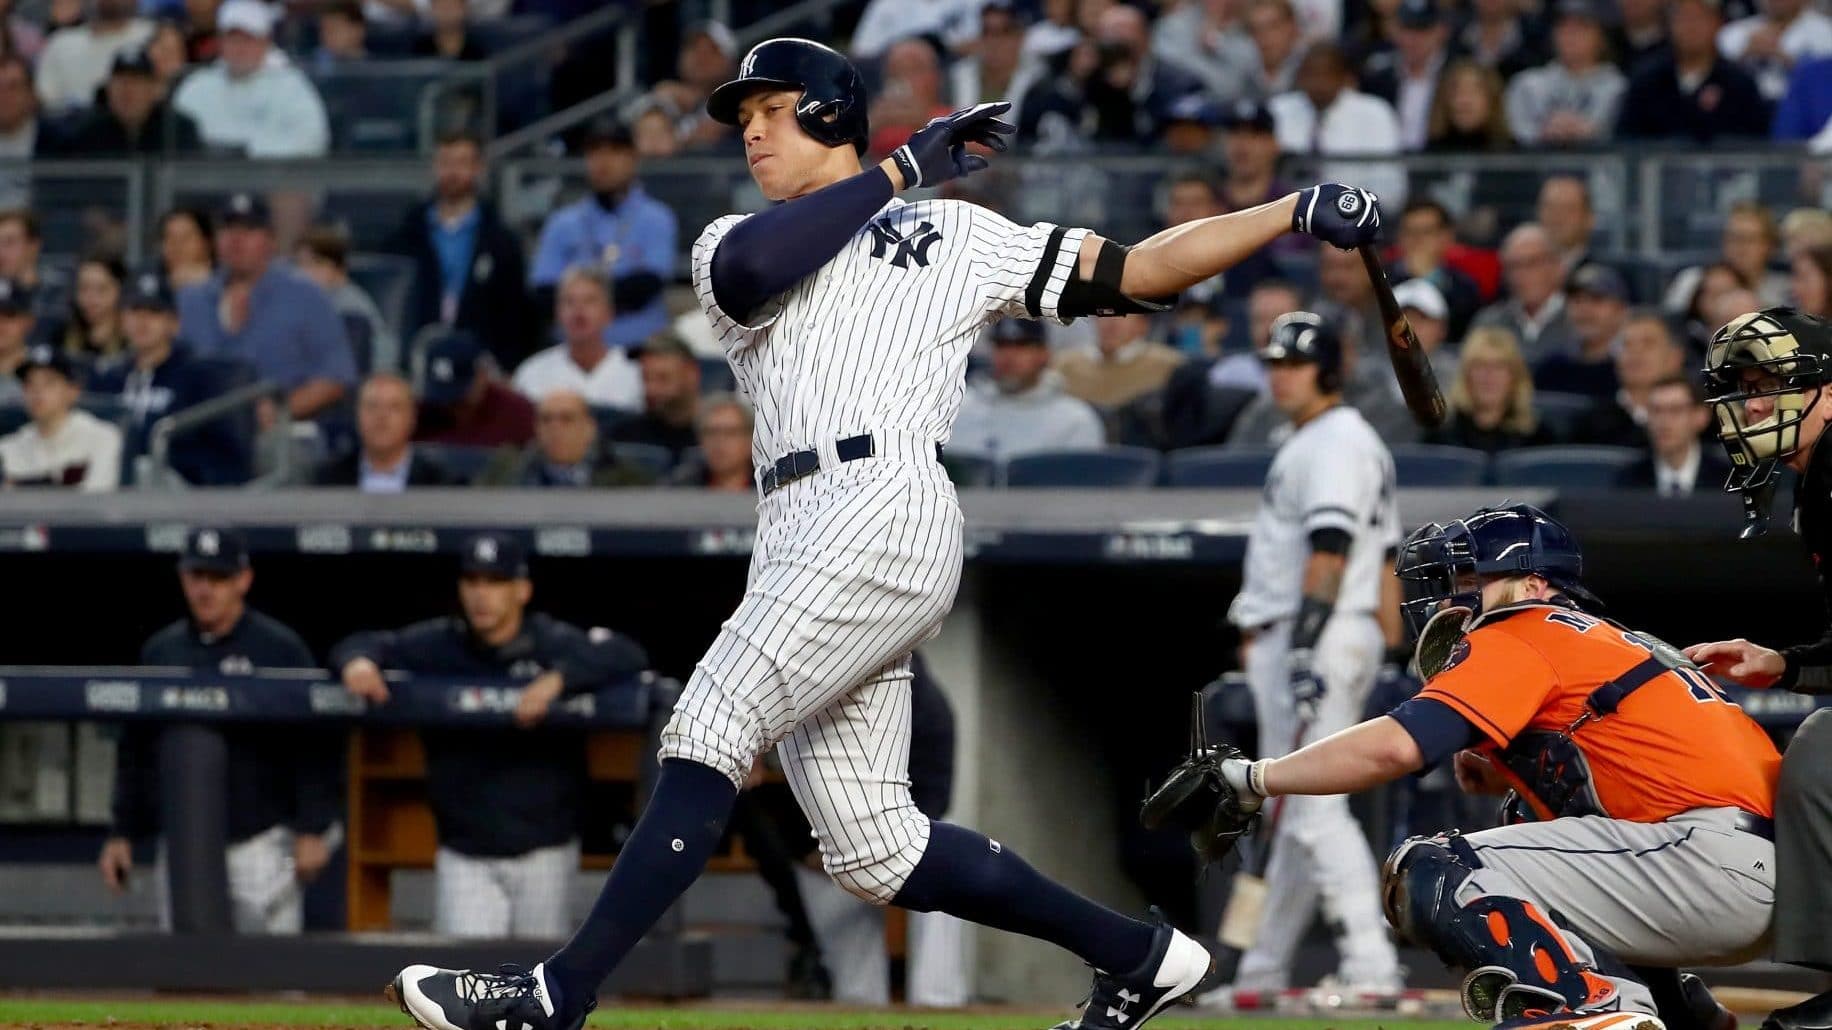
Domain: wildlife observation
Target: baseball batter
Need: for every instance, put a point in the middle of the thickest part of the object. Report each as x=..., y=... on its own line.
x=1320, y=545
x=847, y=315
x=1633, y=849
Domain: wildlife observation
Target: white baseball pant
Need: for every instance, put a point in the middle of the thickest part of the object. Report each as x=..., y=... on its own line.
x=514, y=896
x=1320, y=857
x=264, y=891
x=853, y=567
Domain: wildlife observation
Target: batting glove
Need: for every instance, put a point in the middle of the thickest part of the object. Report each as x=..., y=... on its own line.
x=1345, y=217
x=1307, y=688
x=938, y=152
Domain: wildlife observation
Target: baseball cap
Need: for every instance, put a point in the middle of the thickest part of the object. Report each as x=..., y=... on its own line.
x=148, y=290
x=54, y=358
x=1423, y=296
x=15, y=297
x=1419, y=14
x=1598, y=280
x=494, y=554
x=1017, y=330
x=214, y=549
x=1579, y=9
x=664, y=342
x=606, y=132
x=1194, y=107
x=1247, y=114
x=247, y=209
x=451, y=367
x=132, y=62
x=250, y=16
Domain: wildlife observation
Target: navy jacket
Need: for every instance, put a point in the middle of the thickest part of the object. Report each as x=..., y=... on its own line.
x=219, y=453
x=493, y=303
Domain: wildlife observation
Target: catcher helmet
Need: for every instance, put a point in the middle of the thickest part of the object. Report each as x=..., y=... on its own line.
x=832, y=104
x=1776, y=352
x=1303, y=336
x=1449, y=561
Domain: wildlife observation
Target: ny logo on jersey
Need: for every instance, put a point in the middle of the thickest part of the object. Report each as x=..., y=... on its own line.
x=914, y=247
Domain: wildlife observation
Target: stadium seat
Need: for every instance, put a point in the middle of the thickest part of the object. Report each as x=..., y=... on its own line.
x=1576, y=466
x=1423, y=464
x=463, y=462
x=1561, y=412
x=1218, y=467
x=388, y=280
x=967, y=469
x=1114, y=467
x=653, y=457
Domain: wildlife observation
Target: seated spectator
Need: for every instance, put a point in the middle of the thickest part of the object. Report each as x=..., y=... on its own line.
x=1020, y=408
x=1345, y=299
x=582, y=361
x=1564, y=210
x=1208, y=40
x=384, y=461
x=21, y=249
x=1408, y=75
x=170, y=52
x=1123, y=367
x=1272, y=25
x=1468, y=114
x=1806, y=106
x=994, y=70
x=1692, y=92
x=463, y=402
x=254, y=100
x=1639, y=35
x=92, y=331
x=76, y=59
x=1678, y=463
x=911, y=95
x=1647, y=355
x=1495, y=38
x=1572, y=100
x=20, y=130
x=1810, y=281
x=62, y=445
x=161, y=376
x=1747, y=245
x=1597, y=304
x=1265, y=304
x=1491, y=400
x=323, y=256
x=620, y=230
x=1425, y=237
x=652, y=129
x=1728, y=304
x=343, y=37
x=448, y=33
x=266, y=315
x=1534, y=313
x=1712, y=281
x=884, y=23
x=1771, y=43
x=132, y=119
x=1428, y=312
x=187, y=250
x=1805, y=227
x=16, y=324
x=469, y=272
x=708, y=57
x=203, y=39
x=1327, y=115
x=22, y=37
x=1112, y=90
x=722, y=460
x=566, y=451
x=670, y=397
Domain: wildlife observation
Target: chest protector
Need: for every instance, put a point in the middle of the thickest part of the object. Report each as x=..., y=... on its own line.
x=1550, y=765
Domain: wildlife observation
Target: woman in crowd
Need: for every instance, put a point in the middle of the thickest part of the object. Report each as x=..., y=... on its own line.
x=1811, y=282
x=187, y=249
x=93, y=331
x=1749, y=243
x=1491, y=404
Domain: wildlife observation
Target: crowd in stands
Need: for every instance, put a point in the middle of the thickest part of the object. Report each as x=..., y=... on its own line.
x=566, y=358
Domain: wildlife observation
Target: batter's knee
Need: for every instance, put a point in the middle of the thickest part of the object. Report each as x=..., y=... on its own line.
x=709, y=728
x=876, y=870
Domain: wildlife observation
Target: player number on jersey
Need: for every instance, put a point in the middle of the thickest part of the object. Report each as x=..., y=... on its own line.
x=1698, y=683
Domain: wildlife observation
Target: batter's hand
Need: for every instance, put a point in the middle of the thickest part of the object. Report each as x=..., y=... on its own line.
x=1477, y=775
x=1345, y=217
x=1740, y=662
x=363, y=677
x=938, y=151
x=537, y=697
x=116, y=862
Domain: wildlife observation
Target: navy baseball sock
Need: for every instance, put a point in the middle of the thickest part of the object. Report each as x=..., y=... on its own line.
x=966, y=875
x=666, y=852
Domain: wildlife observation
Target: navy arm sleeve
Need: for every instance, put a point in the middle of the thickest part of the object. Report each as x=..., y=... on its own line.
x=1436, y=727
x=773, y=250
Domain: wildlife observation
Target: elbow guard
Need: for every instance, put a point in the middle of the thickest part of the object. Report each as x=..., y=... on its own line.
x=1101, y=296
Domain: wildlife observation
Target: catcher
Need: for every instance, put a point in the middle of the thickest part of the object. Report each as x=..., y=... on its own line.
x=1646, y=798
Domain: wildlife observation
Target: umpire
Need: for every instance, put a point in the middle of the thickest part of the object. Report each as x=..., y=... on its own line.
x=285, y=783
x=505, y=803
x=1769, y=371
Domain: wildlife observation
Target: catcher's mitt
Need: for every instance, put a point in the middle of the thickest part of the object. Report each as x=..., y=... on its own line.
x=1196, y=797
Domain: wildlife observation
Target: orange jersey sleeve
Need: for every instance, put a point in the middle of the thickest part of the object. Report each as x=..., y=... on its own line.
x=1496, y=680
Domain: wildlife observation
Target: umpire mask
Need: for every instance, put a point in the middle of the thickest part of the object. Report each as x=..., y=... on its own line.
x=1774, y=353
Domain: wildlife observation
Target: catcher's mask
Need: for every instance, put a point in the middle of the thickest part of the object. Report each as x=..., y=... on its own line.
x=1443, y=565
x=1774, y=353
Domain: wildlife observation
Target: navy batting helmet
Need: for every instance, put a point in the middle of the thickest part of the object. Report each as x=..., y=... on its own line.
x=832, y=104
x=1448, y=561
x=1303, y=336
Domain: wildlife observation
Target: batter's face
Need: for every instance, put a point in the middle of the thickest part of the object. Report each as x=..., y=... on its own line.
x=784, y=160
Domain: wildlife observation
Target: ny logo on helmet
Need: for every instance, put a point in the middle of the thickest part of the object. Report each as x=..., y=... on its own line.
x=914, y=247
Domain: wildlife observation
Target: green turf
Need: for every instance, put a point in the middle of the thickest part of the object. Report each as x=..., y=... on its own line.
x=222, y=1014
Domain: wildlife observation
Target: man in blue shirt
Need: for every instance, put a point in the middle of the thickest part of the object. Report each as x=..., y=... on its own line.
x=268, y=315
x=620, y=231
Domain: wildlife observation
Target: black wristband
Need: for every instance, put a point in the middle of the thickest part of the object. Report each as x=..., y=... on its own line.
x=907, y=167
x=1313, y=614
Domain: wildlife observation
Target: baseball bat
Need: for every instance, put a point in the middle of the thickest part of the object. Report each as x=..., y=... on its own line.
x=1411, y=365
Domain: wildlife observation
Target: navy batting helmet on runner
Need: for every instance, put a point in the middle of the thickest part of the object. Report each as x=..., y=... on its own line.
x=1302, y=336
x=832, y=104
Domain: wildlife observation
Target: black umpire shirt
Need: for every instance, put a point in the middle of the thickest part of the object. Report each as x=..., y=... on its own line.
x=502, y=791
x=1809, y=666
x=290, y=775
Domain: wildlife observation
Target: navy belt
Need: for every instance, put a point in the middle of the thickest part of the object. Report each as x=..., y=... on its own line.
x=801, y=464
x=1760, y=825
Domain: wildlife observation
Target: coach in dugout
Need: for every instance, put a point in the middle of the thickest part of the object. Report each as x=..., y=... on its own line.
x=505, y=802
x=285, y=783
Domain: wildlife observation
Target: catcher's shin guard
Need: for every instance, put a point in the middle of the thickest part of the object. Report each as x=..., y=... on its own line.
x=1517, y=959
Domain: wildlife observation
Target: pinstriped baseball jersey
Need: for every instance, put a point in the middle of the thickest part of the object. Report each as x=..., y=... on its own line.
x=878, y=337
